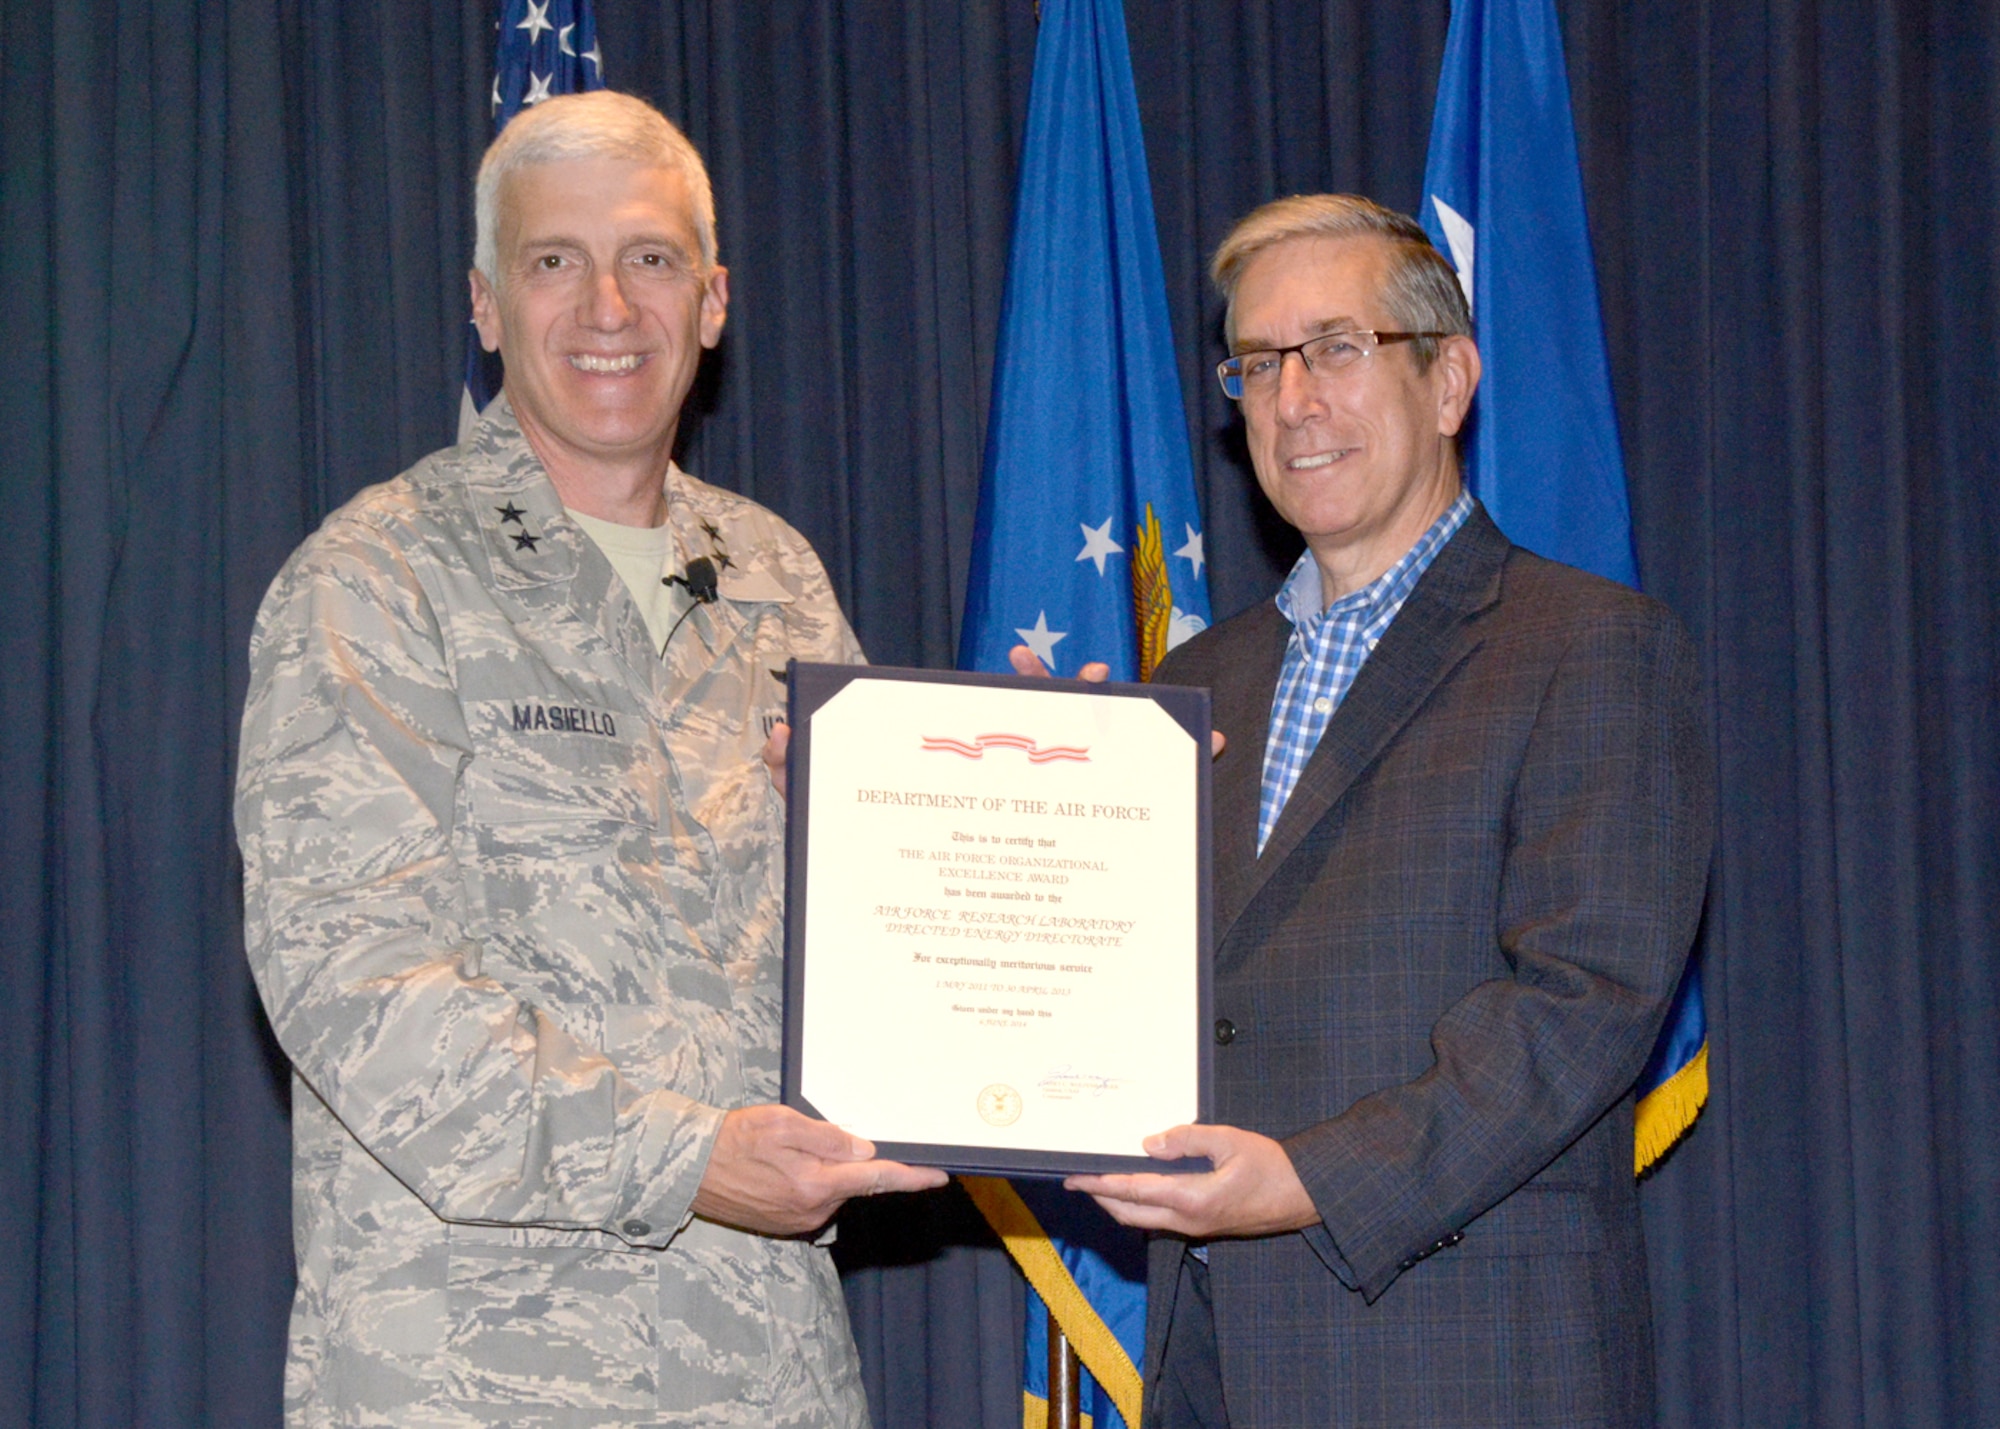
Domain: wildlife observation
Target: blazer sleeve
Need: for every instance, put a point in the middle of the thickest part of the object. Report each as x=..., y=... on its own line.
x=1602, y=868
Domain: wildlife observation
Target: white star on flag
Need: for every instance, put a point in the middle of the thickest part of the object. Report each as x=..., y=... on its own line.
x=496, y=93
x=596, y=59
x=1042, y=640
x=537, y=21
x=1097, y=544
x=562, y=40
x=1462, y=238
x=1192, y=550
x=538, y=88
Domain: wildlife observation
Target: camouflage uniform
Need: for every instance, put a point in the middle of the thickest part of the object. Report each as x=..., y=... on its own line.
x=513, y=890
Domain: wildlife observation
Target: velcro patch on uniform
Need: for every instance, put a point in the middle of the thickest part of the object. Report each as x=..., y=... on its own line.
x=535, y=717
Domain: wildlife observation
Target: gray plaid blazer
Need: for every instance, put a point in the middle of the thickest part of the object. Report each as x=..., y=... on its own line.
x=1437, y=985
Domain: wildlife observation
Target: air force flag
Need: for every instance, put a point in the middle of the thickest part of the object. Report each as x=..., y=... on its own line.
x=1088, y=547
x=1503, y=196
x=1088, y=544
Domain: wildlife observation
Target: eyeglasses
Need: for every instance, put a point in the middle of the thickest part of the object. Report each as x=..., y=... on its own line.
x=1256, y=372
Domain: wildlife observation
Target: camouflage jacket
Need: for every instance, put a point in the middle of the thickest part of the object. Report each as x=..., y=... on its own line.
x=513, y=893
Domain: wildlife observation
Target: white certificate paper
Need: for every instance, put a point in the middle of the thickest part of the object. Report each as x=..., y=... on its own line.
x=1002, y=936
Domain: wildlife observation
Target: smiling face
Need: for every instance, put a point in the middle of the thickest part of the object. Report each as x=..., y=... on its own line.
x=1361, y=460
x=601, y=313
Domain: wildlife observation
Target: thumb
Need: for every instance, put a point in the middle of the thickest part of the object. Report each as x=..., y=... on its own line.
x=773, y=754
x=1025, y=661
x=1172, y=1144
x=827, y=1141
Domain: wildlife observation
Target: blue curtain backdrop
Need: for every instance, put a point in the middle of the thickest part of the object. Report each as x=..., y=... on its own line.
x=237, y=233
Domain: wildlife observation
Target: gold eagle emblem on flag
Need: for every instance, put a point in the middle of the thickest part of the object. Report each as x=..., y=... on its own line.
x=1152, y=594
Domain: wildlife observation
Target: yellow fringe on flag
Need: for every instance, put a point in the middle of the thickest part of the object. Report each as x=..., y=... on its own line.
x=1668, y=1110
x=1035, y=1413
x=1032, y=1250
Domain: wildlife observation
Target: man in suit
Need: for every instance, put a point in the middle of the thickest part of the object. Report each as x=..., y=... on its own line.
x=1462, y=824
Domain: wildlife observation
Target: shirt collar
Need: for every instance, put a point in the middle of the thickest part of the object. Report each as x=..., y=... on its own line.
x=1299, y=597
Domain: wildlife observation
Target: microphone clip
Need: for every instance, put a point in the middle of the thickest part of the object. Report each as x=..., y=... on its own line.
x=698, y=580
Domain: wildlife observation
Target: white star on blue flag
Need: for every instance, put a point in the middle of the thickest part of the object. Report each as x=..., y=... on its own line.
x=1097, y=544
x=1042, y=640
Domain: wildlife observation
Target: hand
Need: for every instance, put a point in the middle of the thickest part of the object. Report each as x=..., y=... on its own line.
x=773, y=754
x=1252, y=1191
x=1027, y=662
x=778, y=1172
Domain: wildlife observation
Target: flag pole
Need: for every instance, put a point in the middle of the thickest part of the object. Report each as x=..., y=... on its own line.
x=1065, y=1380
x=1102, y=463
x=1065, y=1374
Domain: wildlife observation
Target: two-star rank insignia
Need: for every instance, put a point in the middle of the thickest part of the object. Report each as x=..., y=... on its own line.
x=522, y=540
x=716, y=551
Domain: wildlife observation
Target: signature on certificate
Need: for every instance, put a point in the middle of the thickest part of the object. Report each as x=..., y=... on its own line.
x=1066, y=1084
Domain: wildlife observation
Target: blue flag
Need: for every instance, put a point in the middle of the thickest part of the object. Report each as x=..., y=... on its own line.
x=1503, y=195
x=1088, y=547
x=542, y=50
x=1086, y=1272
x=1089, y=541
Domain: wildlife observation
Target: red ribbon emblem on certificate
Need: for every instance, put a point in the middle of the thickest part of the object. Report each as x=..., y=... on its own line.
x=977, y=748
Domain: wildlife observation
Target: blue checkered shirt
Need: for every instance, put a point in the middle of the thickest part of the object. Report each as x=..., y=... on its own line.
x=1326, y=652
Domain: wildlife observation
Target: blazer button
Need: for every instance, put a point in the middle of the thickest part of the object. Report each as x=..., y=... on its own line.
x=1225, y=1031
x=636, y=1228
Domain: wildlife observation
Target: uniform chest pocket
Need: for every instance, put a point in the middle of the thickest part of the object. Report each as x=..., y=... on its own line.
x=542, y=763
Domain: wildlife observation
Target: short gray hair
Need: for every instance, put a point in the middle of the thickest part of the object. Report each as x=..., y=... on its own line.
x=598, y=125
x=1422, y=293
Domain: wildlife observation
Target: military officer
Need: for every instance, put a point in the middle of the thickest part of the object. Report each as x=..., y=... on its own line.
x=512, y=866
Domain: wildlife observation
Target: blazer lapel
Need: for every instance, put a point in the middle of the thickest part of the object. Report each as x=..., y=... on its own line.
x=1425, y=642
x=1242, y=711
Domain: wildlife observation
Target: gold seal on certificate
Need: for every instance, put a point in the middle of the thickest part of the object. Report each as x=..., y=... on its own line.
x=996, y=941
x=999, y=1105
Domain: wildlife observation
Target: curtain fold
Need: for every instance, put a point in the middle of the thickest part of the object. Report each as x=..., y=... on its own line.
x=1800, y=204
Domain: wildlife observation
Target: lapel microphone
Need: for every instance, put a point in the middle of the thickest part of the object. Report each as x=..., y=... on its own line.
x=698, y=580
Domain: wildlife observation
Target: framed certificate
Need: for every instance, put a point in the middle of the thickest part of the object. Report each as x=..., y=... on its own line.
x=997, y=919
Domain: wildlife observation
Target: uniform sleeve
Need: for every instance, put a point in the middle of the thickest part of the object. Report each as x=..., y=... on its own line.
x=1605, y=858
x=354, y=746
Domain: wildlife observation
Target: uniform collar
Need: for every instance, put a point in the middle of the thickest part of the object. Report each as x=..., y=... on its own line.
x=533, y=549
x=529, y=541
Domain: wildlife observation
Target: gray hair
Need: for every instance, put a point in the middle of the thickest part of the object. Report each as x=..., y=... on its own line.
x=598, y=125
x=1422, y=293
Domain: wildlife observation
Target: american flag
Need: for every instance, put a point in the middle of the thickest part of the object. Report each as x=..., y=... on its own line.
x=543, y=49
